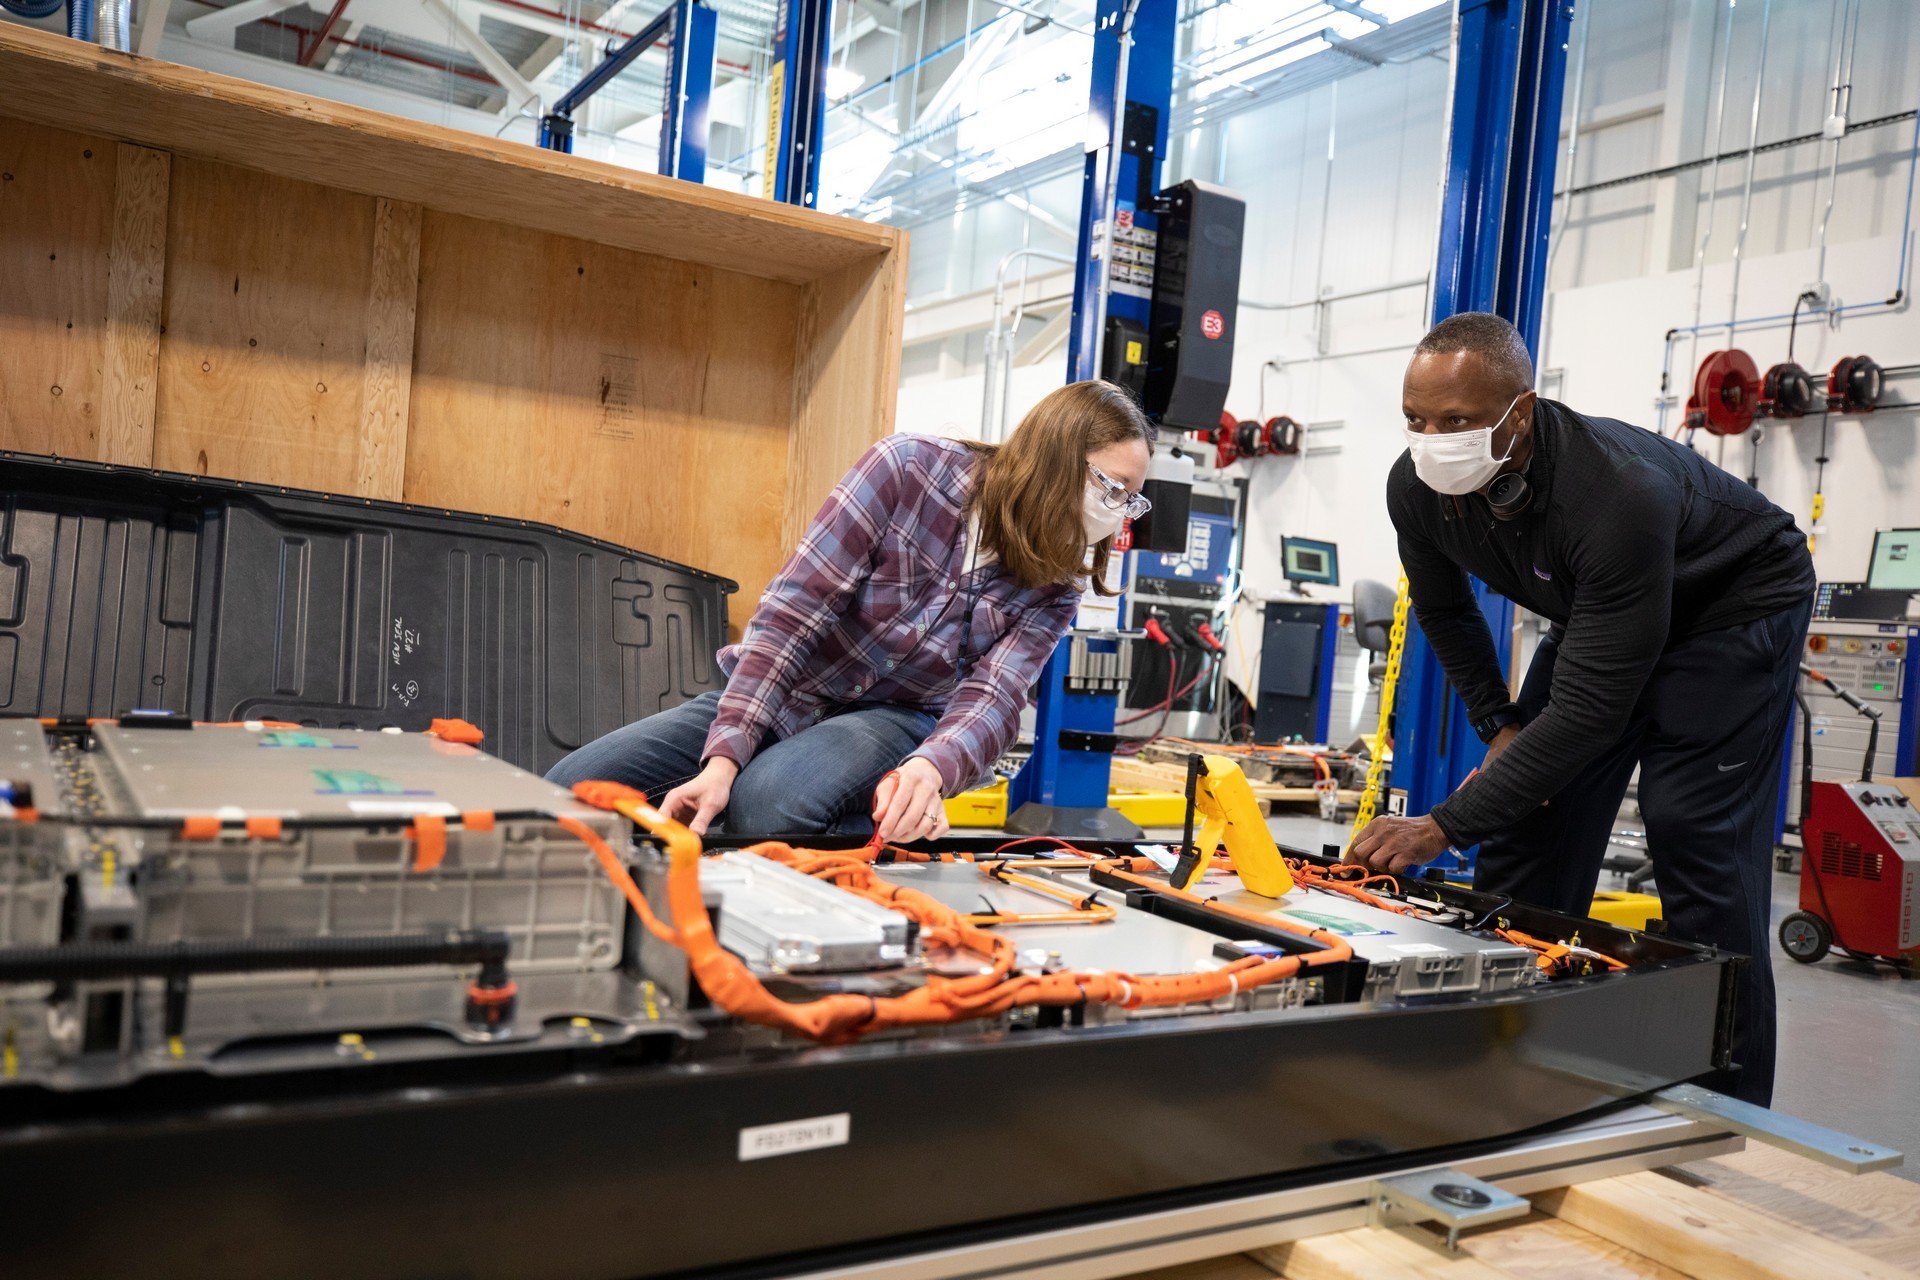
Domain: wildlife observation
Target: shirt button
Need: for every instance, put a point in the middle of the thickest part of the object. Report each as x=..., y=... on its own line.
x=951, y=585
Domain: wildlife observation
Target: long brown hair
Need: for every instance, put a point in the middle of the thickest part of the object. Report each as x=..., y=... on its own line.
x=1029, y=500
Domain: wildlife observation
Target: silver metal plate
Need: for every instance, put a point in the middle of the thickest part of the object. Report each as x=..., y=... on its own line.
x=781, y=921
x=1777, y=1129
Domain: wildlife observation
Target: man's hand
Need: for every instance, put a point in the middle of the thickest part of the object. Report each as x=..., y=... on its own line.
x=699, y=801
x=1392, y=846
x=1501, y=741
x=907, y=804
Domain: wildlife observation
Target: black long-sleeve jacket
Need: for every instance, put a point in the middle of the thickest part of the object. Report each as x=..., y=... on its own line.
x=1632, y=542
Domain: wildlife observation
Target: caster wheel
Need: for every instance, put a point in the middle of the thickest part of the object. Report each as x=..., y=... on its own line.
x=1805, y=937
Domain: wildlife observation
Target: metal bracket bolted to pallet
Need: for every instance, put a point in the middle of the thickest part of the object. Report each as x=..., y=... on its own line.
x=1454, y=1199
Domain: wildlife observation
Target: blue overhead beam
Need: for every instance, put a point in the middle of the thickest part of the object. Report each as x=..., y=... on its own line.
x=1502, y=142
x=689, y=28
x=797, y=109
x=1127, y=132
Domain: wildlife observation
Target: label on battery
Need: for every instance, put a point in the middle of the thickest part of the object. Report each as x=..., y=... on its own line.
x=1332, y=924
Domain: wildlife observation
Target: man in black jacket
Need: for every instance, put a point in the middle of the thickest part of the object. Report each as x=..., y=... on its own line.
x=1679, y=599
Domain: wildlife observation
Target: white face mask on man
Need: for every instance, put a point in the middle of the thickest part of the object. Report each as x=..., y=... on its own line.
x=1458, y=462
x=1102, y=521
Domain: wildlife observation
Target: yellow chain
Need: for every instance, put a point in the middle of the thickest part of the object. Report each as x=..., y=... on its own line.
x=1377, y=766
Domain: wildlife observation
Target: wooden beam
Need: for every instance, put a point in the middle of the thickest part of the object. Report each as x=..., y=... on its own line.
x=1373, y=1253
x=136, y=281
x=391, y=296
x=1876, y=1213
x=1705, y=1235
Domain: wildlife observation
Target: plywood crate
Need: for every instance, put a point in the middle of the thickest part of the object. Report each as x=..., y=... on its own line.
x=207, y=275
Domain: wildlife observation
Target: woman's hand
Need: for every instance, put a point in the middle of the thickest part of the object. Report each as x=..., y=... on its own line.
x=699, y=801
x=907, y=804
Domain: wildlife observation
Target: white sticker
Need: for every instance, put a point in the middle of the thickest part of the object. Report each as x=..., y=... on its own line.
x=401, y=808
x=795, y=1136
x=1416, y=949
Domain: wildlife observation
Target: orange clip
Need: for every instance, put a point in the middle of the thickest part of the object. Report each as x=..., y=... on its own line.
x=457, y=731
x=205, y=827
x=477, y=820
x=604, y=795
x=429, y=834
x=263, y=828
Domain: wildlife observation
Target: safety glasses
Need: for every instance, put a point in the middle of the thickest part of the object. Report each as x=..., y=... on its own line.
x=1115, y=495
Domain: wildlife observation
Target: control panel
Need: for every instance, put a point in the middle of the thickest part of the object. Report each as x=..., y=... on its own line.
x=1891, y=813
x=1875, y=661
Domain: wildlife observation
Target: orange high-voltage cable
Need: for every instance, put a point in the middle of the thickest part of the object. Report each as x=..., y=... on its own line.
x=838, y=1018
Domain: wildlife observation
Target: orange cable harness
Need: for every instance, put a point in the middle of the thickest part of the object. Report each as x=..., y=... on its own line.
x=1557, y=957
x=840, y=1018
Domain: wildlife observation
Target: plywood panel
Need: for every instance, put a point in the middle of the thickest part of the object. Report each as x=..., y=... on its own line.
x=135, y=282
x=56, y=224
x=627, y=396
x=391, y=293
x=847, y=381
x=265, y=328
x=50, y=79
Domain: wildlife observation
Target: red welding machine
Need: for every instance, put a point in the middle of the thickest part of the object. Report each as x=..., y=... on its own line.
x=1859, y=875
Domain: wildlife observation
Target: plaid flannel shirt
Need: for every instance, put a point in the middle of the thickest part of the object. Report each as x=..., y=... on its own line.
x=870, y=609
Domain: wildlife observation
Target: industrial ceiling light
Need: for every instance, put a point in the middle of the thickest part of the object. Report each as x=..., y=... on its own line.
x=1786, y=392
x=1726, y=392
x=1855, y=385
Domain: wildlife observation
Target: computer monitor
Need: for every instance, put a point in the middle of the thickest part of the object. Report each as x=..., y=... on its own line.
x=1896, y=561
x=1306, y=560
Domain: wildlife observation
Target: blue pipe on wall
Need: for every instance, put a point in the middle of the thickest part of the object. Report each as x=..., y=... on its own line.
x=80, y=20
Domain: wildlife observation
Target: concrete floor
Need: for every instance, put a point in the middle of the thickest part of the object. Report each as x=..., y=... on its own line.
x=1849, y=1033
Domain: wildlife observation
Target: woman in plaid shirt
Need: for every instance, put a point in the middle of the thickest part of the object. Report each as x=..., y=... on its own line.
x=888, y=663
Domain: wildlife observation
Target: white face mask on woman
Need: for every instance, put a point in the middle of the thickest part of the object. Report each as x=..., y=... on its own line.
x=1458, y=462
x=1102, y=521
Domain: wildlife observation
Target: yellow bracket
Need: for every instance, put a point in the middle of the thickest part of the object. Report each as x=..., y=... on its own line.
x=1231, y=818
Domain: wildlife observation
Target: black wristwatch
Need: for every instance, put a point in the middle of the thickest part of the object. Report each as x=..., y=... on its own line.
x=1489, y=727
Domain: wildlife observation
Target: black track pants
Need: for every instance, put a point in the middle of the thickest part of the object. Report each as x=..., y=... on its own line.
x=1707, y=734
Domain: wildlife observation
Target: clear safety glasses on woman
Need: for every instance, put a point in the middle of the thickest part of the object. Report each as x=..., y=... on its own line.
x=1115, y=497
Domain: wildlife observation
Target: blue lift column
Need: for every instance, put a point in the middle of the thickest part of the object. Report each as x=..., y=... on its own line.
x=688, y=28
x=1065, y=780
x=797, y=101
x=1502, y=141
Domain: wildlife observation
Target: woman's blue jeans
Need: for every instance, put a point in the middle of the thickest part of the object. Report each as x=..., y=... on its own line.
x=819, y=781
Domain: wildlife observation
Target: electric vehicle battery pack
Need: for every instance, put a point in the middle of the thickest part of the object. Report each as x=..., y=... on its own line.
x=781, y=921
x=1405, y=956
x=526, y=877
x=33, y=863
x=219, y=600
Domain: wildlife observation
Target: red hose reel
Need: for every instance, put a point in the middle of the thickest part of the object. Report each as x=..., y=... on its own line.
x=1233, y=439
x=1726, y=393
x=1729, y=391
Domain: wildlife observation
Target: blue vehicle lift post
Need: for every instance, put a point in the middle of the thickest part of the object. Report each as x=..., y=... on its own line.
x=1502, y=143
x=797, y=105
x=689, y=28
x=1066, y=778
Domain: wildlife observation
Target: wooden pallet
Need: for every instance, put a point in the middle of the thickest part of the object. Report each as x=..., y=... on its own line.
x=1260, y=765
x=1156, y=775
x=1761, y=1214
